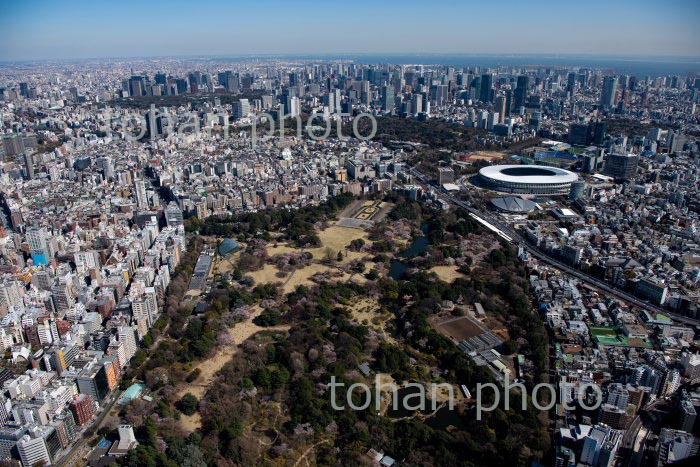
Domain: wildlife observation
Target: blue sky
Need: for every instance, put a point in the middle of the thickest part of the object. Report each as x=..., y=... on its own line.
x=40, y=29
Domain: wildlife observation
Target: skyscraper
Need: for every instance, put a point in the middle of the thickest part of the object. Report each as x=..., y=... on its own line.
x=501, y=108
x=607, y=98
x=366, y=96
x=137, y=86
x=521, y=92
x=416, y=104
x=486, y=94
x=329, y=101
x=509, y=102
x=571, y=82
x=388, y=99
x=294, y=106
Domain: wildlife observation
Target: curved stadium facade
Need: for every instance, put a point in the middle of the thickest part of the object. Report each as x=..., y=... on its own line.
x=527, y=179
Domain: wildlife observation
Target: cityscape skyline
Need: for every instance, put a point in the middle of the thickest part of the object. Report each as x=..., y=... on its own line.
x=36, y=30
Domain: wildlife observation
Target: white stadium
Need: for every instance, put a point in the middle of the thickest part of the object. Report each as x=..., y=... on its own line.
x=527, y=179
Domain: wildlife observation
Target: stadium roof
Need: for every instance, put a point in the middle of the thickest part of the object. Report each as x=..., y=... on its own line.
x=532, y=174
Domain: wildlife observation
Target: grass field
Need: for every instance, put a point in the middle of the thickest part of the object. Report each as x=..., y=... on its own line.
x=223, y=265
x=333, y=239
x=240, y=332
x=447, y=273
x=268, y=274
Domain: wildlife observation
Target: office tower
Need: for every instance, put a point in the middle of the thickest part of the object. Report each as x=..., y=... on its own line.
x=366, y=95
x=439, y=94
x=579, y=134
x=521, y=92
x=337, y=99
x=482, y=119
x=571, y=82
x=388, y=99
x=233, y=81
x=501, y=108
x=222, y=78
x=140, y=192
x=491, y=120
x=137, y=86
x=416, y=104
x=294, y=106
x=37, y=238
x=290, y=103
x=509, y=102
x=486, y=92
x=24, y=89
x=181, y=84
x=241, y=109
x=329, y=101
x=607, y=97
x=599, y=129
x=195, y=78
x=621, y=166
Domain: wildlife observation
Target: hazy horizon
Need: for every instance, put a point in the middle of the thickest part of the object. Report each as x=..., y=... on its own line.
x=42, y=30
